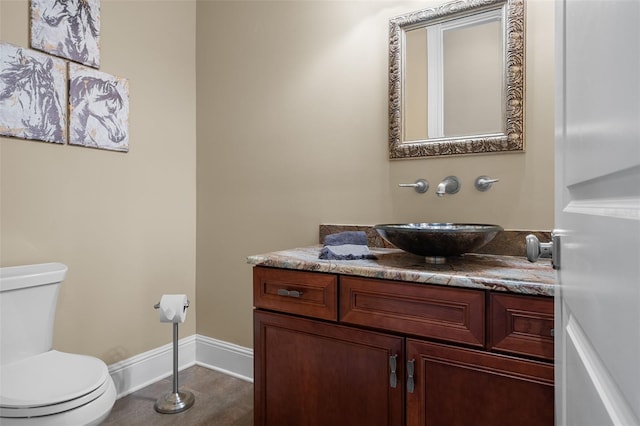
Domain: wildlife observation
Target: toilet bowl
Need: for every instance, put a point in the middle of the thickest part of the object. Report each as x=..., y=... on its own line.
x=38, y=385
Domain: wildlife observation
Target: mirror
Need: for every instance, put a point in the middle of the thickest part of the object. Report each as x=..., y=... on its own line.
x=456, y=79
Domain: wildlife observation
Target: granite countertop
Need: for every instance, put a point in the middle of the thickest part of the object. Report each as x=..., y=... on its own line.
x=482, y=271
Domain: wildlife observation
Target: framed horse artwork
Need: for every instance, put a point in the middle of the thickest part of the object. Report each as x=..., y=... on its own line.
x=33, y=95
x=67, y=28
x=99, y=109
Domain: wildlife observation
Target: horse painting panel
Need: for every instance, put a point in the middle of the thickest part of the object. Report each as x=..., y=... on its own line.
x=33, y=95
x=99, y=109
x=67, y=28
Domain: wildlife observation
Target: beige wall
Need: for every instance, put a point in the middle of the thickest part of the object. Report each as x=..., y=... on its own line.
x=292, y=132
x=123, y=223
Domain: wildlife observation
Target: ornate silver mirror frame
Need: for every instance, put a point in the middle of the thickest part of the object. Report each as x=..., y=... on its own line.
x=512, y=139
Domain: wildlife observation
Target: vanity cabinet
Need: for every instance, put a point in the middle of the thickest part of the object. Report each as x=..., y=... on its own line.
x=333, y=349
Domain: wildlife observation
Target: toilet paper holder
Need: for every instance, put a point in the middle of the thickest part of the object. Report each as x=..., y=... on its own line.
x=157, y=305
x=175, y=401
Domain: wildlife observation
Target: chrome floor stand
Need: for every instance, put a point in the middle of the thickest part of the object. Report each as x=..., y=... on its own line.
x=175, y=402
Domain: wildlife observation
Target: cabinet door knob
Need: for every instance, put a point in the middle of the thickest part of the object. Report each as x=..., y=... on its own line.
x=393, y=378
x=410, y=371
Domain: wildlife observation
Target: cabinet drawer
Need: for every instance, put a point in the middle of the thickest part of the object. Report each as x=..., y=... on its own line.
x=304, y=293
x=521, y=325
x=450, y=314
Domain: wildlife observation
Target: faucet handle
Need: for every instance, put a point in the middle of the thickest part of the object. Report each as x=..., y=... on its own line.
x=421, y=186
x=484, y=183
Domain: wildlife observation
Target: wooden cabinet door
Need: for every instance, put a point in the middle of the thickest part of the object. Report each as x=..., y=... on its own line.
x=314, y=373
x=457, y=386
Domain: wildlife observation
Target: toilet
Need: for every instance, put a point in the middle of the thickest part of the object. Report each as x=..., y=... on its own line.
x=38, y=385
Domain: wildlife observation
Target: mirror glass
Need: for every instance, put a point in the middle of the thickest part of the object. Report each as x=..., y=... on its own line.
x=456, y=79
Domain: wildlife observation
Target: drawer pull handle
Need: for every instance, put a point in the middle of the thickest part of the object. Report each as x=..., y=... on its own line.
x=393, y=379
x=410, y=371
x=553, y=332
x=289, y=293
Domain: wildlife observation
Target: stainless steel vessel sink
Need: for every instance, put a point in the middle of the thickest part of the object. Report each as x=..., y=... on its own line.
x=436, y=241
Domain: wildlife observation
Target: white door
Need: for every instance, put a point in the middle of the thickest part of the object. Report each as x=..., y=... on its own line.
x=597, y=212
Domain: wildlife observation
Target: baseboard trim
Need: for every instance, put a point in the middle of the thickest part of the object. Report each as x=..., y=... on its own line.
x=141, y=370
x=234, y=360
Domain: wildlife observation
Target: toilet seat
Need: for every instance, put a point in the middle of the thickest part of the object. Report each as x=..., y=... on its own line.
x=49, y=383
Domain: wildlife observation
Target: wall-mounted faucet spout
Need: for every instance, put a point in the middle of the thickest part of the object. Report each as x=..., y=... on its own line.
x=449, y=185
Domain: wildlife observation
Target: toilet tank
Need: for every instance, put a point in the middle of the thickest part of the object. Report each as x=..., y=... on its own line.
x=28, y=296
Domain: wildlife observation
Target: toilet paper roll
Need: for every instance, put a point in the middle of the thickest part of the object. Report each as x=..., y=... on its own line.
x=173, y=307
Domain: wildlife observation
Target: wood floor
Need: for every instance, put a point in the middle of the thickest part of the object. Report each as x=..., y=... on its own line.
x=220, y=400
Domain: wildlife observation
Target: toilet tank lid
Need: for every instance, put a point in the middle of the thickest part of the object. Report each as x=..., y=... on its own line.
x=14, y=277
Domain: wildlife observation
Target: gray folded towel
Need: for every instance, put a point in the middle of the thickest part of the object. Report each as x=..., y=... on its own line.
x=346, y=237
x=348, y=245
